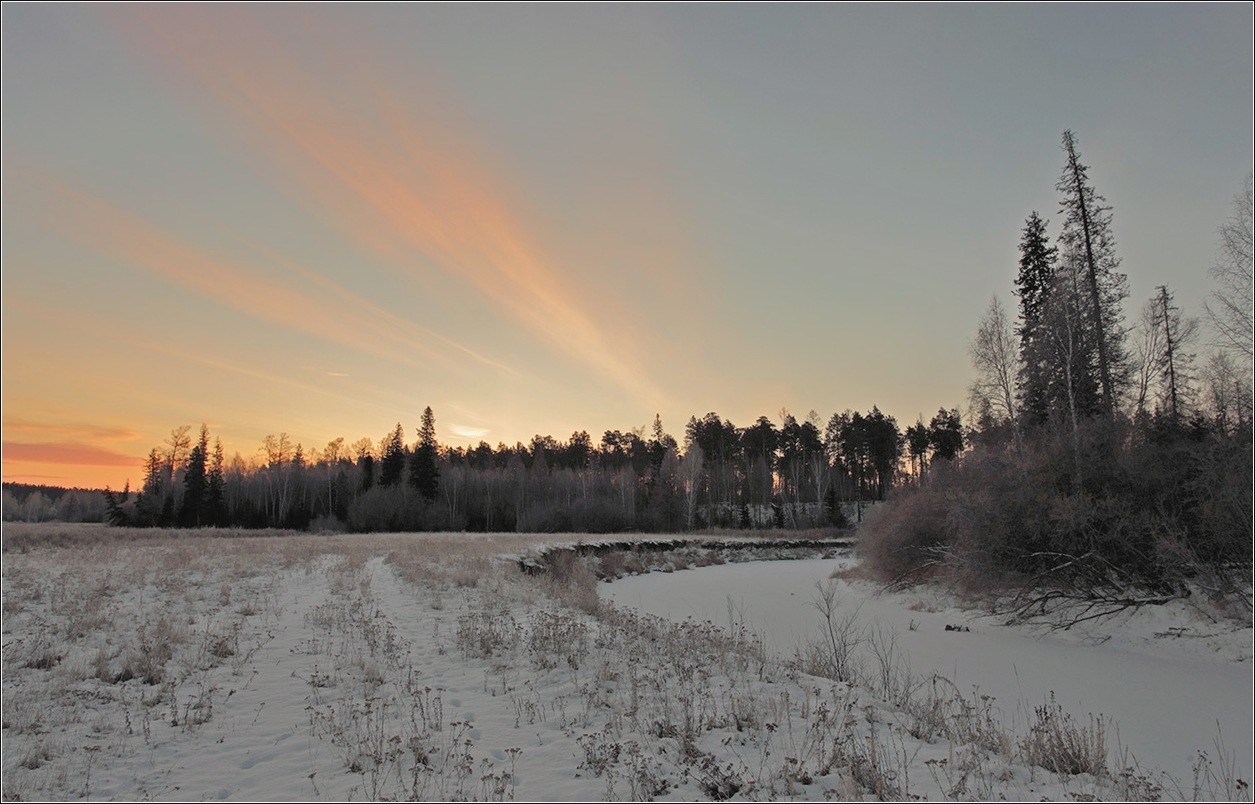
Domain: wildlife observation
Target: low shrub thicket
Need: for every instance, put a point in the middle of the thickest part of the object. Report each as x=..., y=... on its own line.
x=1123, y=515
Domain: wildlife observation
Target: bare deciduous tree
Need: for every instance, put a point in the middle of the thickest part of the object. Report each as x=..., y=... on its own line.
x=1165, y=366
x=994, y=355
x=1148, y=348
x=1178, y=334
x=1229, y=307
x=361, y=448
x=1227, y=388
x=178, y=446
x=691, y=480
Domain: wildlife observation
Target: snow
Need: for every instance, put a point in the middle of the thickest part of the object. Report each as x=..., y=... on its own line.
x=1166, y=675
x=429, y=667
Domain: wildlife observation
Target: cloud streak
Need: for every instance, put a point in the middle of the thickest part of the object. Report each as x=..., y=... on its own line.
x=88, y=325
x=410, y=189
x=68, y=431
x=66, y=453
x=332, y=313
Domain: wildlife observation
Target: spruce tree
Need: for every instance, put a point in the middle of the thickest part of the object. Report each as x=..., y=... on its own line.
x=1087, y=236
x=215, y=493
x=1037, y=270
x=195, y=483
x=115, y=505
x=392, y=464
x=424, y=473
x=1074, y=389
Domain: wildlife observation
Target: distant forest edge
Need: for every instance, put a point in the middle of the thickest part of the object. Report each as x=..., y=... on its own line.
x=802, y=474
x=24, y=502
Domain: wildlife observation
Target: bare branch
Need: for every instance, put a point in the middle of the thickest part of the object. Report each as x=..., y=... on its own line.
x=1230, y=305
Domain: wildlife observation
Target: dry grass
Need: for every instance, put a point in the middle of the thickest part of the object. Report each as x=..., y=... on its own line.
x=652, y=705
x=25, y=536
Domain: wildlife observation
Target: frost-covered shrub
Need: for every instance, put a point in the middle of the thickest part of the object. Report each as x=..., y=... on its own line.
x=903, y=538
x=555, y=636
x=490, y=631
x=1113, y=508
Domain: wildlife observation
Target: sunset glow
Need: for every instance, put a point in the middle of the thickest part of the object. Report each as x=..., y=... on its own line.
x=319, y=220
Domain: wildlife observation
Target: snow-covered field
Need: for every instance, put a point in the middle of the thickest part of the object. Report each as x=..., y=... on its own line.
x=429, y=667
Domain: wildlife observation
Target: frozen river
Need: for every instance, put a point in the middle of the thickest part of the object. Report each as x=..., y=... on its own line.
x=1167, y=704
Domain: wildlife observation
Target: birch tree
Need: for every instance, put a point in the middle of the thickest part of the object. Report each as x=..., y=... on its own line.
x=995, y=359
x=1230, y=306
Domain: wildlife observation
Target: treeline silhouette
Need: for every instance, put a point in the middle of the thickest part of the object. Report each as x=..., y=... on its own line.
x=795, y=474
x=24, y=502
x=1109, y=467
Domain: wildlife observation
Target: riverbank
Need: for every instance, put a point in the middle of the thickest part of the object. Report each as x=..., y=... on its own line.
x=1165, y=676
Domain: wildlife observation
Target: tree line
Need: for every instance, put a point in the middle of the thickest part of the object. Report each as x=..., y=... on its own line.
x=1107, y=462
x=791, y=474
x=24, y=502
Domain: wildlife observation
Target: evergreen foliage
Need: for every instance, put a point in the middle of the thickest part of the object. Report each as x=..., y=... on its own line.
x=424, y=473
x=756, y=476
x=392, y=463
x=1088, y=247
x=1081, y=504
x=1038, y=367
x=945, y=435
x=192, y=512
x=917, y=443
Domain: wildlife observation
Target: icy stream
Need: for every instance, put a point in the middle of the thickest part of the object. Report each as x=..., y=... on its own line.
x=1167, y=694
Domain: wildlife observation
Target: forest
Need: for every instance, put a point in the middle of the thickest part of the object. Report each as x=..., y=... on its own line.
x=1109, y=466
x=797, y=474
x=24, y=502
x=1096, y=453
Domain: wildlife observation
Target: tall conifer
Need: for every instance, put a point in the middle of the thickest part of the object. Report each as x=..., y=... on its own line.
x=424, y=472
x=1037, y=270
x=1088, y=237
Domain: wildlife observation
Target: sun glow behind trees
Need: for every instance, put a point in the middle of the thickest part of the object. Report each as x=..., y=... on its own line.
x=356, y=209
x=793, y=475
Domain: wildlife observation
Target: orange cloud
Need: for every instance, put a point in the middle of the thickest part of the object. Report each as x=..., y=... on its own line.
x=70, y=432
x=416, y=187
x=71, y=453
x=94, y=326
x=333, y=314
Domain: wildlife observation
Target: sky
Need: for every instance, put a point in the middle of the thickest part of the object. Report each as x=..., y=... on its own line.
x=540, y=219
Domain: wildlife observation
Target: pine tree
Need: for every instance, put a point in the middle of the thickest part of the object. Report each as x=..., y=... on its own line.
x=884, y=442
x=1088, y=239
x=424, y=473
x=945, y=434
x=917, y=446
